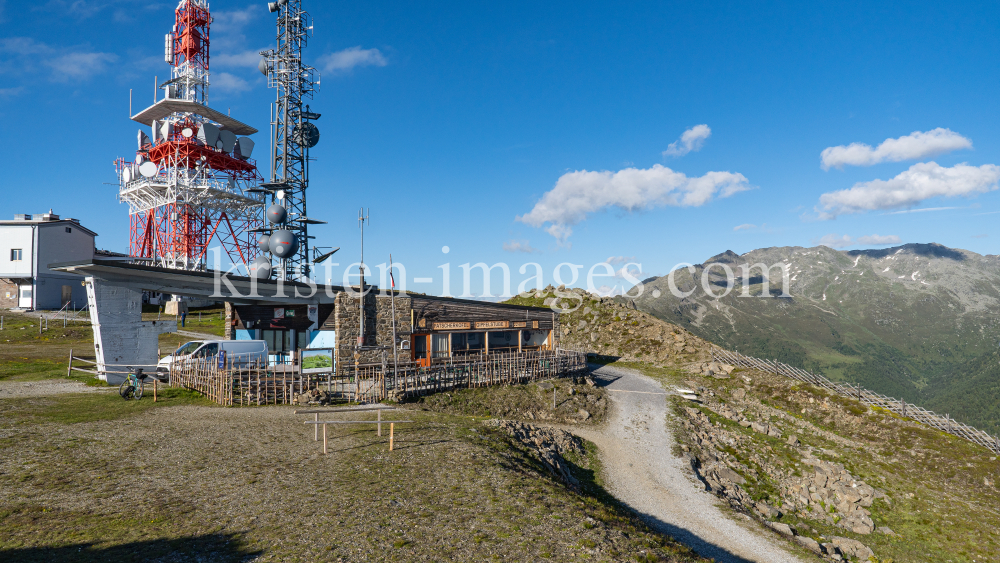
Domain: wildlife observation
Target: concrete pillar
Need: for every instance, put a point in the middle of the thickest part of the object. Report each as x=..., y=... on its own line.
x=121, y=337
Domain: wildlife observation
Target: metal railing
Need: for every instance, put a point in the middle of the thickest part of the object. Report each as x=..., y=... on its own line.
x=943, y=423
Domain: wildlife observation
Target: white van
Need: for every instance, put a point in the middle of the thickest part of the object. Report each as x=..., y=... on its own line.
x=238, y=352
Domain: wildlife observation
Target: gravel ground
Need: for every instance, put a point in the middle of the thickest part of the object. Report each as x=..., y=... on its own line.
x=641, y=471
x=46, y=387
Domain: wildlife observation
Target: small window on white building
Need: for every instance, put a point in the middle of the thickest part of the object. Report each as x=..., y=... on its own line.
x=16, y=254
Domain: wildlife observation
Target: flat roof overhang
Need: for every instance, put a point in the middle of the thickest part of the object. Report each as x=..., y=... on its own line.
x=167, y=106
x=240, y=290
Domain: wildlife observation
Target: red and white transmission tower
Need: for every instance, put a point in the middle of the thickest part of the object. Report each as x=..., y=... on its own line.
x=192, y=178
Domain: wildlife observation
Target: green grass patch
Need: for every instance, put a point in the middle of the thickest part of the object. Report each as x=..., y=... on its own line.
x=74, y=408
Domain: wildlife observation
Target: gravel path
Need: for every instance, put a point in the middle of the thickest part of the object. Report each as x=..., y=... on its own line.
x=45, y=387
x=642, y=472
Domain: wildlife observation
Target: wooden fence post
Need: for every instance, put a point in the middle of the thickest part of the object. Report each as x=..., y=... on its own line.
x=379, y=422
x=69, y=369
x=391, y=425
x=154, y=389
x=324, y=439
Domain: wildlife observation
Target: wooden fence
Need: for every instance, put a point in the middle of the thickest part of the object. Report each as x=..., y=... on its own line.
x=943, y=423
x=375, y=382
x=255, y=384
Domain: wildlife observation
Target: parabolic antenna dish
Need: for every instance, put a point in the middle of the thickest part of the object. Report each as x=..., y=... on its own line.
x=187, y=132
x=148, y=169
x=305, y=135
x=138, y=159
x=126, y=175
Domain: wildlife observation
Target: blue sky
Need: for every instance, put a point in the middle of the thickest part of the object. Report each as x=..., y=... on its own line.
x=452, y=121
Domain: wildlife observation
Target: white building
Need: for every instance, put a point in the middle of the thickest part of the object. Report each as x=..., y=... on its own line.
x=28, y=244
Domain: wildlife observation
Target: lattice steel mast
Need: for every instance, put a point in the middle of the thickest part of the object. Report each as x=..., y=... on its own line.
x=292, y=132
x=191, y=178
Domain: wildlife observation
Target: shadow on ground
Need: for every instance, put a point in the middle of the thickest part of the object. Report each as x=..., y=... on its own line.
x=212, y=547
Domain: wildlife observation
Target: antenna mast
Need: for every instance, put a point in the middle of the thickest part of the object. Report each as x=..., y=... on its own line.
x=292, y=130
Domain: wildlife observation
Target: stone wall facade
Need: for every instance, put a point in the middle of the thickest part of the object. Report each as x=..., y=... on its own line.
x=378, y=326
x=8, y=294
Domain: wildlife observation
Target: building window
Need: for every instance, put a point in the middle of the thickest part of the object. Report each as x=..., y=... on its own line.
x=69, y=229
x=16, y=254
x=277, y=340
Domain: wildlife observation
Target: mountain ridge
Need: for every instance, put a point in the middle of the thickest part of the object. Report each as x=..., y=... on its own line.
x=906, y=321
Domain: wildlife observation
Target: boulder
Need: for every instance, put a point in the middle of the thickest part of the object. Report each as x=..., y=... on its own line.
x=583, y=414
x=793, y=440
x=739, y=394
x=809, y=543
x=782, y=528
x=852, y=548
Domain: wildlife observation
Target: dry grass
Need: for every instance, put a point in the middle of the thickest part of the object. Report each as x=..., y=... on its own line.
x=94, y=478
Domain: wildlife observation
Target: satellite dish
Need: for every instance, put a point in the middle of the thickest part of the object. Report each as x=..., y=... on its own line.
x=126, y=175
x=305, y=135
x=228, y=139
x=244, y=148
x=325, y=256
x=148, y=169
x=262, y=66
x=166, y=130
x=208, y=134
x=187, y=132
x=143, y=140
x=283, y=244
x=262, y=242
x=138, y=159
x=260, y=268
x=276, y=214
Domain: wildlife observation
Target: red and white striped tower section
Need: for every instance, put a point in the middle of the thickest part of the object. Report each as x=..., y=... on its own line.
x=192, y=178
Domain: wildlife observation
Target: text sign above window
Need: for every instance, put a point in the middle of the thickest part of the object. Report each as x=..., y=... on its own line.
x=452, y=326
x=492, y=324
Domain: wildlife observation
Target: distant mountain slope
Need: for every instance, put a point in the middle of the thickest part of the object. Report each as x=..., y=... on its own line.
x=918, y=321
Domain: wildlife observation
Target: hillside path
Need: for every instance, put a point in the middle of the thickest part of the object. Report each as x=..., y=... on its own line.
x=640, y=471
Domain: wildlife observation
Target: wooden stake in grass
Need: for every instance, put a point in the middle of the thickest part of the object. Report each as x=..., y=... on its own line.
x=316, y=433
x=154, y=389
x=391, y=425
x=69, y=369
x=379, y=422
x=324, y=438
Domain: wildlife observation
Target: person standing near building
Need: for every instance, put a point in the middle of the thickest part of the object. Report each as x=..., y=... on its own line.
x=184, y=315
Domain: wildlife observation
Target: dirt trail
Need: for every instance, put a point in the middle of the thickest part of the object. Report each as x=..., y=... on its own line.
x=641, y=471
x=46, y=387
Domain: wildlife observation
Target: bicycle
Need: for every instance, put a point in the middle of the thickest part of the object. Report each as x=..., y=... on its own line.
x=131, y=388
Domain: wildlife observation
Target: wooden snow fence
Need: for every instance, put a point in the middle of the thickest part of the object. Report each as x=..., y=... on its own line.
x=377, y=382
x=907, y=410
x=243, y=384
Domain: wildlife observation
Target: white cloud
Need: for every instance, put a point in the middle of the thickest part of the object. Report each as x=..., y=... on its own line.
x=921, y=181
x=10, y=92
x=914, y=146
x=79, y=65
x=225, y=82
x=352, y=57
x=577, y=194
x=843, y=241
x=835, y=241
x=233, y=21
x=249, y=58
x=879, y=240
x=691, y=140
x=744, y=227
x=519, y=246
x=619, y=260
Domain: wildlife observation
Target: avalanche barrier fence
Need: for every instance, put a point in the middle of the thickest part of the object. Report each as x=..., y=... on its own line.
x=943, y=423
